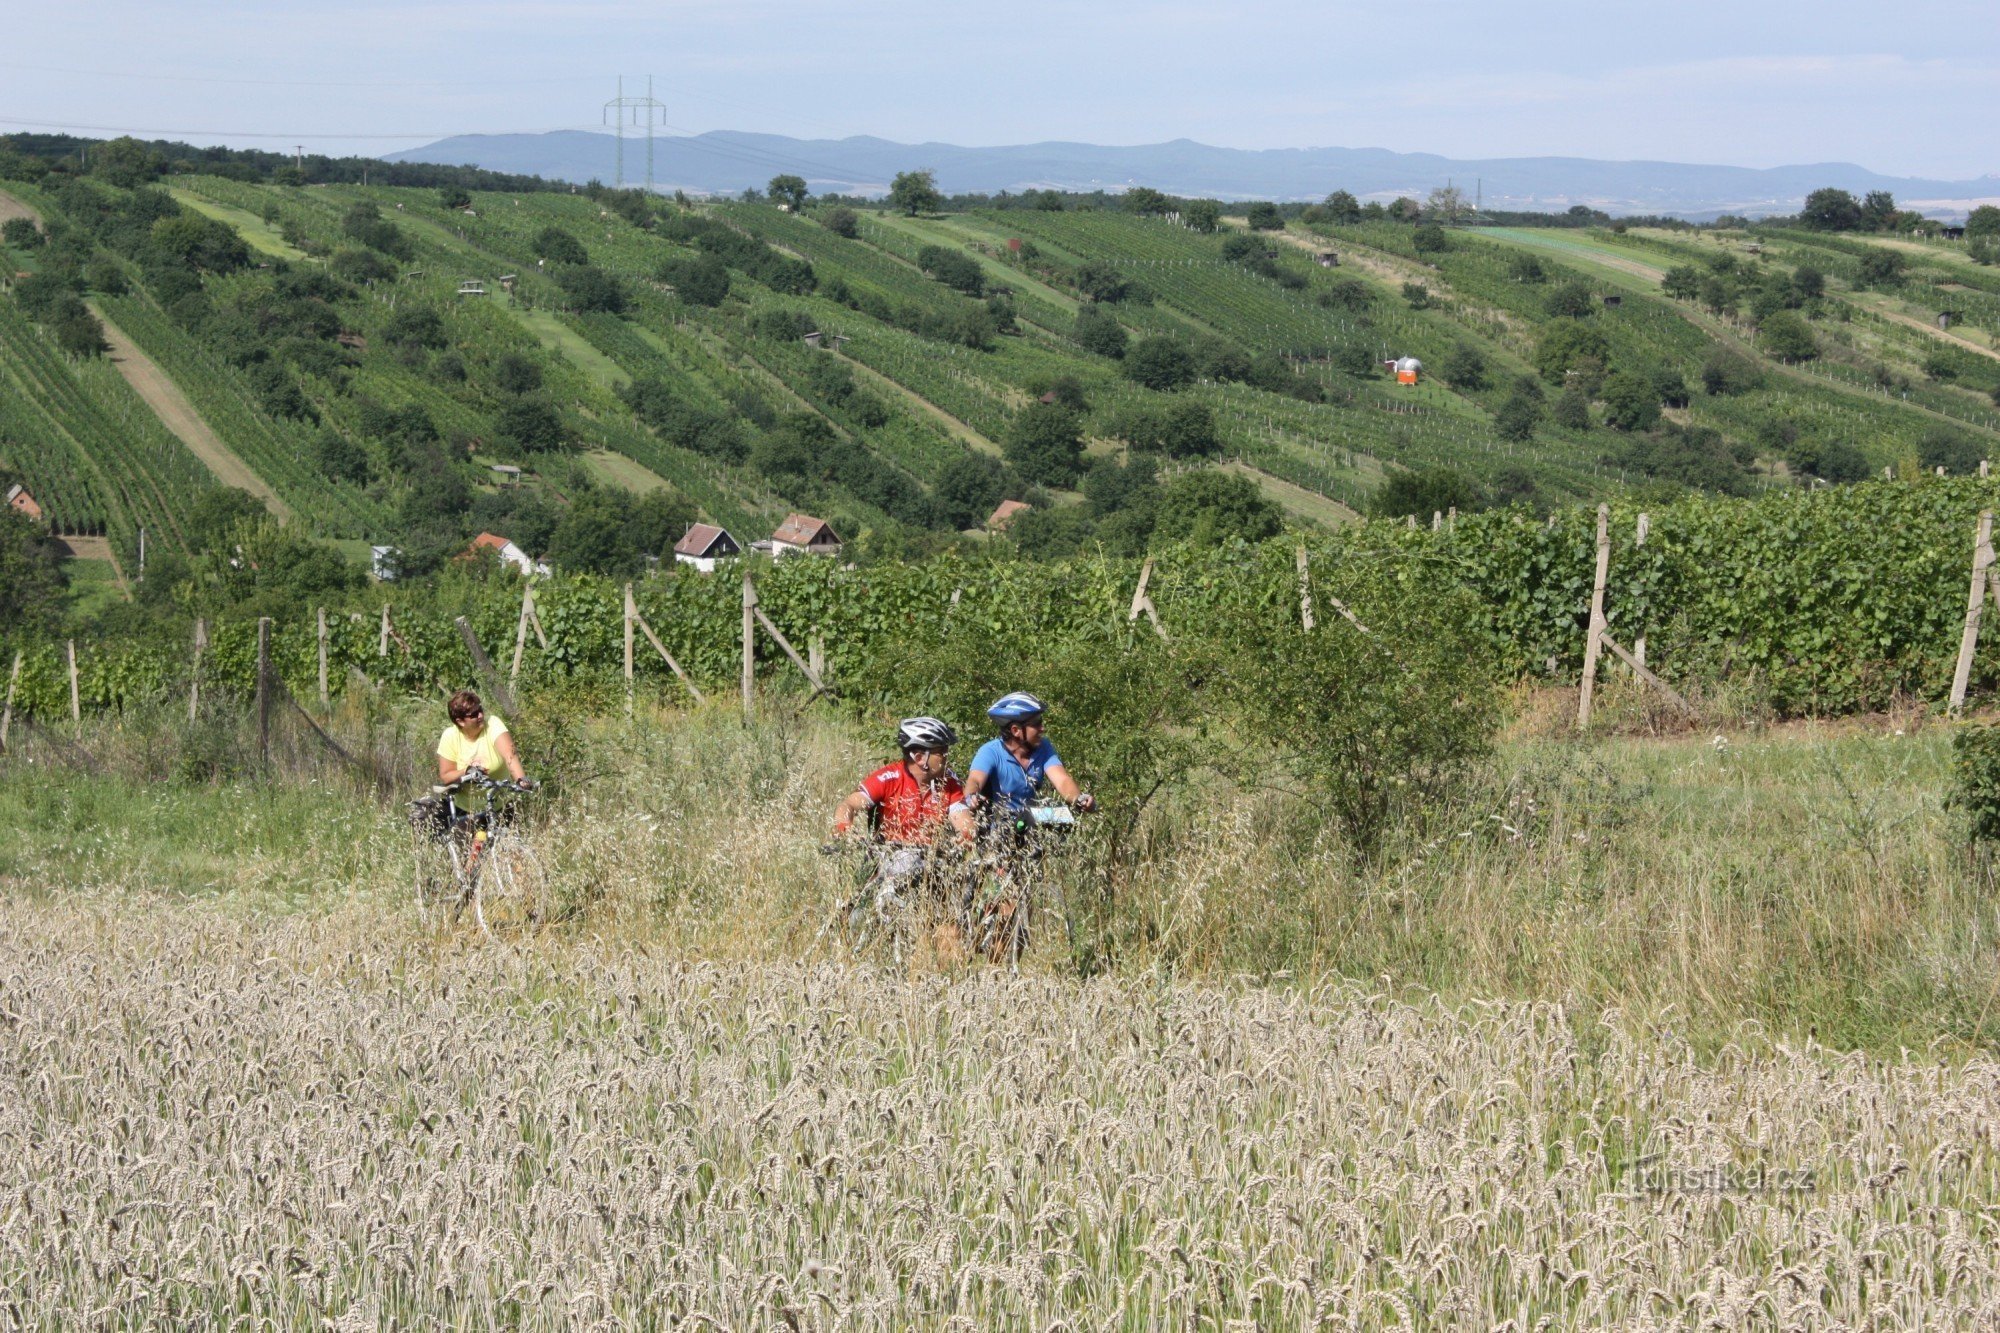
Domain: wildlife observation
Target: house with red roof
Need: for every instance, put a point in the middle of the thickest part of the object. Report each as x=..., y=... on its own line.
x=703, y=545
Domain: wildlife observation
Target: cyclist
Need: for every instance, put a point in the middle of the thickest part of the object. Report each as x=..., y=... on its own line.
x=910, y=804
x=1009, y=770
x=478, y=740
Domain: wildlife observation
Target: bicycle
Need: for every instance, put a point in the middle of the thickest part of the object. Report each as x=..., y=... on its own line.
x=998, y=910
x=491, y=867
x=885, y=910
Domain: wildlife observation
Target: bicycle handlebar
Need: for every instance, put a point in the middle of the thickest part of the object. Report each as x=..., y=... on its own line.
x=478, y=777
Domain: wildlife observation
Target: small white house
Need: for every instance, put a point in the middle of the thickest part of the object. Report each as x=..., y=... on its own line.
x=382, y=562
x=703, y=545
x=508, y=552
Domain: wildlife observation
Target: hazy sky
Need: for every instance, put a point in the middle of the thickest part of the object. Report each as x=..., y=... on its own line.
x=1909, y=89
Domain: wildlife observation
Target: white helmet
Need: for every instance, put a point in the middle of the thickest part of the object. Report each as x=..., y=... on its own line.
x=924, y=733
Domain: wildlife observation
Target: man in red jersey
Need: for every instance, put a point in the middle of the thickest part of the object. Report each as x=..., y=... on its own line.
x=910, y=805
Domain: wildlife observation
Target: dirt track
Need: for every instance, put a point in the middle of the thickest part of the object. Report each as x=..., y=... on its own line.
x=10, y=207
x=179, y=416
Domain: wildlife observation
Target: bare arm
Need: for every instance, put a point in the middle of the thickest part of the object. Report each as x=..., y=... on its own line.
x=1066, y=788
x=975, y=783
x=448, y=772
x=505, y=745
x=962, y=823
x=843, y=816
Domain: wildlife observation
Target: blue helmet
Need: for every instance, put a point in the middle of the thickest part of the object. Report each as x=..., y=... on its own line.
x=1016, y=707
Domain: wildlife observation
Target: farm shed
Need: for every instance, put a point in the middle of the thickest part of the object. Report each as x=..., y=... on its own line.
x=802, y=534
x=1327, y=259
x=703, y=545
x=21, y=502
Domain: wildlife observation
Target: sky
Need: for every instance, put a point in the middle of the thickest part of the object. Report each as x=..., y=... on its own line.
x=1909, y=90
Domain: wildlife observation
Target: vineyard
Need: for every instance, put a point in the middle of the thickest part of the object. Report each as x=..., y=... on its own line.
x=1799, y=603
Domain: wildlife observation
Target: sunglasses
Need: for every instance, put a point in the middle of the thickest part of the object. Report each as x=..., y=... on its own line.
x=467, y=717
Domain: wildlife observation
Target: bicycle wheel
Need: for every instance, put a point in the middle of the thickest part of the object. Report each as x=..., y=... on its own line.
x=512, y=893
x=439, y=884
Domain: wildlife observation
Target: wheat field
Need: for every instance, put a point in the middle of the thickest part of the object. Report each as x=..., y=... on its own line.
x=216, y=1118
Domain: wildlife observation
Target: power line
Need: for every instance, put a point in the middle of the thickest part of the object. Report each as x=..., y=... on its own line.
x=294, y=135
x=297, y=83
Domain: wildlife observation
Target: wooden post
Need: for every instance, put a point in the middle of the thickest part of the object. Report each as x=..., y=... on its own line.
x=1975, y=602
x=749, y=642
x=1305, y=592
x=668, y=657
x=521, y=633
x=382, y=648
x=484, y=664
x=1639, y=639
x=1142, y=602
x=1437, y=520
x=631, y=614
x=819, y=686
x=75, y=701
x=264, y=691
x=1594, y=641
x=7, y=714
x=1983, y=465
x=194, y=676
x=325, y=699
x=816, y=655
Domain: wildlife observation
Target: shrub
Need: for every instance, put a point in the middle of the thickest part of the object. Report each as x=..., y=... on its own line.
x=559, y=247
x=1098, y=333
x=841, y=222
x=1159, y=363
x=1975, y=782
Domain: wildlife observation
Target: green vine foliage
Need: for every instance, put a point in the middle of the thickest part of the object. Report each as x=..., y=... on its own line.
x=1811, y=603
x=1975, y=789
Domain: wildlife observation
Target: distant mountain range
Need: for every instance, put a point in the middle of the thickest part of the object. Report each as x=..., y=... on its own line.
x=727, y=161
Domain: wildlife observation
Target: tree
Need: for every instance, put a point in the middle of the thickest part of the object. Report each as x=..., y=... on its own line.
x=1786, y=337
x=914, y=192
x=1727, y=373
x=1830, y=210
x=841, y=222
x=516, y=374
x=80, y=334
x=1432, y=490
x=1570, y=301
x=340, y=459
x=968, y=487
x=559, y=247
x=1207, y=506
x=1517, y=418
x=1448, y=205
x=1878, y=211
x=1463, y=367
x=1417, y=295
x=1717, y=296
x=1682, y=282
x=452, y=197
x=20, y=234
x=1144, y=200
x=1630, y=402
x=32, y=581
x=1342, y=207
x=1983, y=221
x=1405, y=209
x=1263, y=216
x=1882, y=268
x=1098, y=280
x=1044, y=442
x=703, y=280
x=1159, y=363
x=591, y=289
x=1098, y=333
x=953, y=268
x=1565, y=345
x=1187, y=430
x=1808, y=283
x=531, y=423
x=1528, y=270
x=1954, y=451
x=1572, y=409
x=1202, y=215
x=788, y=190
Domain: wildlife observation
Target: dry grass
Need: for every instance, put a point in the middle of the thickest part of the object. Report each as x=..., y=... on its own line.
x=212, y=1120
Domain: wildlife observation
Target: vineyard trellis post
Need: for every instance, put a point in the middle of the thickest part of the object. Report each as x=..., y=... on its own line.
x=1975, y=604
x=484, y=665
x=7, y=714
x=528, y=616
x=1305, y=592
x=1593, y=640
x=1142, y=602
x=75, y=699
x=325, y=699
x=194, y=674
x=749, y=644
x=666, y=656
x=264, y=692
x=631, y=613
x=382, y=648
x=1639, y=544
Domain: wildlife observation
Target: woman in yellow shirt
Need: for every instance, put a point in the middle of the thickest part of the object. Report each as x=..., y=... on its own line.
x=474, y=740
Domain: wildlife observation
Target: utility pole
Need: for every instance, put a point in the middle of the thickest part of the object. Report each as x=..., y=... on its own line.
x=299, y=158
x=622, y=110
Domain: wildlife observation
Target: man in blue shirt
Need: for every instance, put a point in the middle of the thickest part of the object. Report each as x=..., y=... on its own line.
x=1010, y=768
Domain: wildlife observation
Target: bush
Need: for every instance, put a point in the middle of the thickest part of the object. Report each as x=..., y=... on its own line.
x=1975, y=782
x=1159, y=363
x=559, y=247
x=703, y=280
x=591, y=289
x=1786, y=337
x=1433, y=490
x=1372, y=728
x=841, y=222
x=953, y=268
x=1098, y=333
